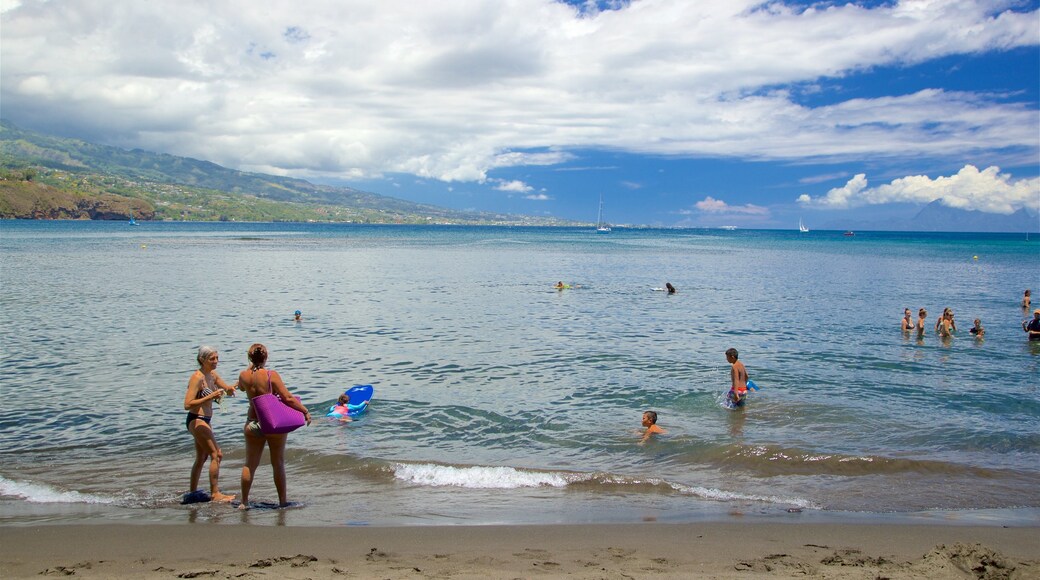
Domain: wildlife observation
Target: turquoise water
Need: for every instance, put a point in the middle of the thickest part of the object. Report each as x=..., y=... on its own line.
x=499, y=399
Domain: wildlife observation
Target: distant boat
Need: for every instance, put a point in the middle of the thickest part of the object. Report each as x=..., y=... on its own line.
x=801, y=226
x=601, y=227
x=849, y=233
x=132, y=221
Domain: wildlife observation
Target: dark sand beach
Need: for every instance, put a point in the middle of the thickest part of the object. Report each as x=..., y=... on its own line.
x=651, y=550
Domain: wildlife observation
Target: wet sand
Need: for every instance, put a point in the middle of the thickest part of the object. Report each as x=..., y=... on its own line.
x=651, y=550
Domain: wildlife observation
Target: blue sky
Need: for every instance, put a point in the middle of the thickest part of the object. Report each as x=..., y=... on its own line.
x=706, y=113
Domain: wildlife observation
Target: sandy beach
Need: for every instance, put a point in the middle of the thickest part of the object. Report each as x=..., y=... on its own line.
x=651, y=550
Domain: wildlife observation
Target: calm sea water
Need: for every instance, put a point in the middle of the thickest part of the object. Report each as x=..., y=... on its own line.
x=499, y=399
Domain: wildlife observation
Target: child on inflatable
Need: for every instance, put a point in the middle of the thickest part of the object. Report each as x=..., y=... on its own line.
x=340, y=410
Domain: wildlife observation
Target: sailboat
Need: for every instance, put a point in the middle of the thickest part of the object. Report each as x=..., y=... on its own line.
x=132, y=221
x=601, y=227
x=801, y=226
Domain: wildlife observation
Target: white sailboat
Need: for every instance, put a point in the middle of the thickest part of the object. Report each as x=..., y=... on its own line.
x=801, y=226
x=601, y=227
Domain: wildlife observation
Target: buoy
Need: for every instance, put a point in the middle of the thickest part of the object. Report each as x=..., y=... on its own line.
x=144, y=247
x=976, y=258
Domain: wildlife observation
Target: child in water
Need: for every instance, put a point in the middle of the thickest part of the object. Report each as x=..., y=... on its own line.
x=340, y=410
x=738, y=379
x=977, y=330
x=650, y=422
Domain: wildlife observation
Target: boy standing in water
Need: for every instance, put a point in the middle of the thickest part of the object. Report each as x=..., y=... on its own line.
x=738, y=379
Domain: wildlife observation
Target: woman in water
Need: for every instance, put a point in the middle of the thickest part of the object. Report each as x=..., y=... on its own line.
x=907, y=322
x=921, y=315
x=256, y=381
x=204, y=386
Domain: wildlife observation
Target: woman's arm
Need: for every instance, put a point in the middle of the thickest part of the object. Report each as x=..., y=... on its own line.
x=191, y=400
x=229, y=389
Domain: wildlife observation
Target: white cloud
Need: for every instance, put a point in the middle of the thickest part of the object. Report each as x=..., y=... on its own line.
x=717, y=206
x=513, y=186
x=538, y=197
x=988, y=191
x=452, y=90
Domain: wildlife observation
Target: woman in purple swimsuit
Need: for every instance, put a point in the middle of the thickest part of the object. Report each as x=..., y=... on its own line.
x=204, y=386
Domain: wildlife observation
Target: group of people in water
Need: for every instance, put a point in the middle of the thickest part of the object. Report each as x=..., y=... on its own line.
x=206, y=386
x=946, y=326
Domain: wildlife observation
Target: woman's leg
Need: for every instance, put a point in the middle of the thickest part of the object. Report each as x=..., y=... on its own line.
x=254, y=450
x=204, y=439
x=201, y=454
x=206, y=446
x=277, y=445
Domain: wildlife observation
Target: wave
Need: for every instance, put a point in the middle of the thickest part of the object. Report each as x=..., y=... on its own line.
x=491, y=477
x=41, y=493
x=772, y=460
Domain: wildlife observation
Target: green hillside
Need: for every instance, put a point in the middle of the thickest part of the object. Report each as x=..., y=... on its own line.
x=107, y=181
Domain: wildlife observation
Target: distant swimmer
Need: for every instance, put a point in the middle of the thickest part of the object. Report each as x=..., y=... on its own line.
x=921, y=315
x=977, y=330
x=946, y=326
x=297, y=316
x=650, y=422
x=738, y=379
x=1026, y=300
x=671, y=289
x=1033, y=326
x=907, y=322
x=561, y=286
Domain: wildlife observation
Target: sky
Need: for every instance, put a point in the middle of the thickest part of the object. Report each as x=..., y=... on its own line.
x=678, y=113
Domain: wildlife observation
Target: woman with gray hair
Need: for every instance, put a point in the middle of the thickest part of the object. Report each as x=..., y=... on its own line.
x=204, y=386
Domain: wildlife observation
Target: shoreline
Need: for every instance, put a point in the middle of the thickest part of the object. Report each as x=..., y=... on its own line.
x=708, y=549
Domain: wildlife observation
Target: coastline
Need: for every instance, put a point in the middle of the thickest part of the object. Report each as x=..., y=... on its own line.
x=717, y=550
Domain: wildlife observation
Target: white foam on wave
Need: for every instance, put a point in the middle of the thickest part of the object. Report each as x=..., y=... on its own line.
x=476, y=477
x=721, y=495
x=41, y=493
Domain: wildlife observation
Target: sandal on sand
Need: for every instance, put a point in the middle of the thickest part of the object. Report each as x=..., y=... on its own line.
x=197, y=496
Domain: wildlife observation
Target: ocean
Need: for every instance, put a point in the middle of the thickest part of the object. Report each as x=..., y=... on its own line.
x=500, y=400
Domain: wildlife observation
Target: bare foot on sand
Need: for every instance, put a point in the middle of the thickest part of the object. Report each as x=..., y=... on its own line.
x=219, y=497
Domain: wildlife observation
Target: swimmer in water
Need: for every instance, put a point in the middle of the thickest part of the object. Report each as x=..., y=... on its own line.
x=650, y=422
x=738, y=379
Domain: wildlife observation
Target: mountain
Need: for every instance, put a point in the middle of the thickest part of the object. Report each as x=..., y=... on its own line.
x=184, y=188
x=936, y=217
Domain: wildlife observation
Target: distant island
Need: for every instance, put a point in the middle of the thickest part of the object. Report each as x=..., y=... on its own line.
x=936, y=217
x=48, y=177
